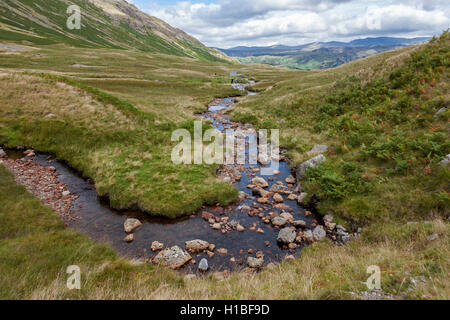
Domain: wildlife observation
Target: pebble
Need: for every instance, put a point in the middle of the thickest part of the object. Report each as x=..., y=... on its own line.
x=222, y=251
x=129, y=238
x=156, y=246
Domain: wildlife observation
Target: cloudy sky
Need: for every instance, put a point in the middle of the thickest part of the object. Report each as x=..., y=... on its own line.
x=229, y=23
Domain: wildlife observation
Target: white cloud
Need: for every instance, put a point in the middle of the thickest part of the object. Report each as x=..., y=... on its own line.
x=230, y=23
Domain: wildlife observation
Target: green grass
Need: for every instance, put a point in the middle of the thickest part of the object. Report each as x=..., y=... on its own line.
x=116, y=127
x=121, y=148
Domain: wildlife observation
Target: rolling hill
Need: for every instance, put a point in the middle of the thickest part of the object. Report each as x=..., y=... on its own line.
x=104, y=24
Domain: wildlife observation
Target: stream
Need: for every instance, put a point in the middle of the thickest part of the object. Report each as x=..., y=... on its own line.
x=103, y=224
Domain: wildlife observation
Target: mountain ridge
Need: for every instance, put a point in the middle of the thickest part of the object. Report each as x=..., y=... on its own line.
x=319, y=55
x=104, y=23
x=355, y=42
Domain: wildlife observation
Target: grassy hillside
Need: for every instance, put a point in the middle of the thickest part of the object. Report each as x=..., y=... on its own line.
x=377, y=117
x=105, y=24
x=113, y=119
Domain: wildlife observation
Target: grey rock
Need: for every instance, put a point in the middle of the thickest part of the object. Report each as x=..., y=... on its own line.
x=441, y=110
x=286, y=235
x=319, y=233
x=344, y=238
x=330, y=225
x=342, y=235
x=278, y=221
x=302, y=167
x=445, y=161
x=328, y=218
x=255, y=262
x=2, y=153
x=173, y=257
x=308, y=236
x=203, y=265
x=433, y=237
x=65, y=193
x=318, y=149
x=131, y=225
x=232, y=224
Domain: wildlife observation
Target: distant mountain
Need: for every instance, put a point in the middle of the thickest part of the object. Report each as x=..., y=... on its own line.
x=319, y=55
x=388, y=41
x=105, y=23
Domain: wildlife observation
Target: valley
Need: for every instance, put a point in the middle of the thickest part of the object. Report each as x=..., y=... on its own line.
x=94, y=113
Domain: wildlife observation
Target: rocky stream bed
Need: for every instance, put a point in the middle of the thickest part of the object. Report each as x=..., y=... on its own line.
x=269, y=223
